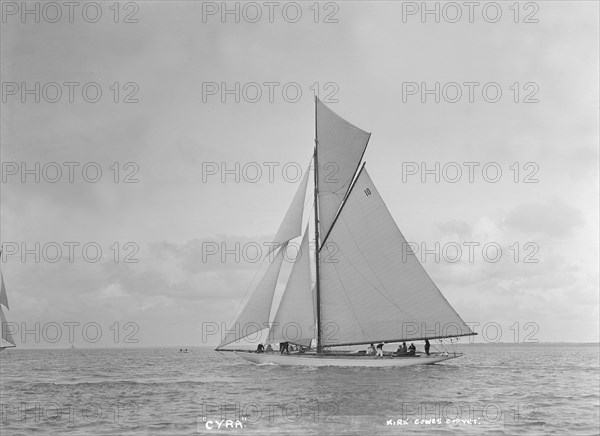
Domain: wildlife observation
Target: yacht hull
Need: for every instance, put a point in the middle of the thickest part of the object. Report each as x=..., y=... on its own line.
x=343, y=360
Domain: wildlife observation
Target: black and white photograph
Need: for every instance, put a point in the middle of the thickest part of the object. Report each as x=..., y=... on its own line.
x=300, y=217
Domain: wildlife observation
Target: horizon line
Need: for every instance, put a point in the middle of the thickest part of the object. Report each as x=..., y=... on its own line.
x=214, y=346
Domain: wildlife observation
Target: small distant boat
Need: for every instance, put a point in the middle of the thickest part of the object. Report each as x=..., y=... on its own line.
x=6, y=339
x=369, y=287
x=184, y=351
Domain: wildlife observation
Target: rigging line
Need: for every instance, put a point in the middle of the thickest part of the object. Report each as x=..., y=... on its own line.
x=348, y=303
x=358, y=168
x=344, y=201
x=363, y=256
x=438, y=349
x=284, y=248
x=285, y=294
x=341, y=190
x=306, y=201
x=425, y=271
x=408, y=317
x=351, y=183
x=310, y=200
x=219, y=351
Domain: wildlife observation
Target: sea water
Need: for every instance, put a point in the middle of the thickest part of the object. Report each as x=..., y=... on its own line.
x=535, y=389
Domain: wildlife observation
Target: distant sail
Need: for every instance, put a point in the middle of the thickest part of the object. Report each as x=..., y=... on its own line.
x=291, y=226
x=255, y=314
x=340, y=147
x=7, y=338
x=3, y=297
x=373, y=288
x=295, y=317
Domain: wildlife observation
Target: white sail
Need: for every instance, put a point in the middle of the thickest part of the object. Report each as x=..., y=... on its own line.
x=7, y=339
x=340, y=146
x=370, y=287
x=295, y=317
x=291, y=226
x=373, y=288
x=255, y=314
x=3, y=297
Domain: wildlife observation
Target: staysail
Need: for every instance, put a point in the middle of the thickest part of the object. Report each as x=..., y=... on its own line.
x=291, y=226
x=373, y=288
x=255, y=314
x=340, y=147
x=295, y=317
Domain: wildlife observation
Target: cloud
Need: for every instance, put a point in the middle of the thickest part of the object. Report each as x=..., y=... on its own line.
x=553, y=219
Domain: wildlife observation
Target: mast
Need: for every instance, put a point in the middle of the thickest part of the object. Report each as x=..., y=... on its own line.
x=317, y=248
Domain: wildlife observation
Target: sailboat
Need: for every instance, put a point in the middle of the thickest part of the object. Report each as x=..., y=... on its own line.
x=6, y=339
x=362, y=285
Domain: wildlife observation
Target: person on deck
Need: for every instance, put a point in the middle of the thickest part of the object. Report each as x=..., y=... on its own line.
x=404, y=349
x=412, y=349
x=284, y=347
x=427, y=345
x=380, y=350
x=371, y=350
x=260, y=348
x=269, y=348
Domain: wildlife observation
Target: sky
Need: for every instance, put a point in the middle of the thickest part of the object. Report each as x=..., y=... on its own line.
x=186, y=93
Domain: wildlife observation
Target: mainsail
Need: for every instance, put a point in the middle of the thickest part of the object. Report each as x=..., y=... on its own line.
x=295, y=317
x=373, y=287
x=6, y=339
